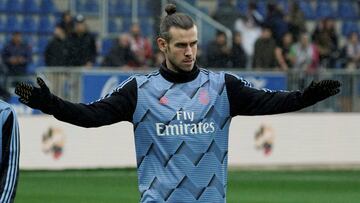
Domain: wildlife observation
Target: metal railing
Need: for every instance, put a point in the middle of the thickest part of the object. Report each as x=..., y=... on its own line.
x=67, y=83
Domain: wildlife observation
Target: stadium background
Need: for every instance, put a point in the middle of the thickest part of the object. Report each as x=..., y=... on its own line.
x=300, y=157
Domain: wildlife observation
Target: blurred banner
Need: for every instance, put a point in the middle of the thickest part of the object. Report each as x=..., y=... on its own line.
x=272, y=141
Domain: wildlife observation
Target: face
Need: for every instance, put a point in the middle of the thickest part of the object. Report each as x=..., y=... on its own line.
x=180, y=51
x=17, y=38
x=80, y=27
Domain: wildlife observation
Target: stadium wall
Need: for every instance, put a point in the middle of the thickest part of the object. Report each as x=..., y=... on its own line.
x=288, y=140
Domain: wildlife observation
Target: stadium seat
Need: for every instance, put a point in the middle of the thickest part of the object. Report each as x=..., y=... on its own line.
x=306, y=7
x=106, y=46
x=47, y=7
x=146, y=28
x=284, y=4
x=126, y=24
x=144, y=10
x=347, y=10
x=30, y=7
x=262, y=7
x=12, y=24
x=324, y=9
x=41, y=44
x=14, y=6
x=120, y=8
x=29, y=25
x=242, y=6
x=45, y=25
x=2, y=25
x=2, y=6
x=113, y=27
x=91, y=6
x=349, y=27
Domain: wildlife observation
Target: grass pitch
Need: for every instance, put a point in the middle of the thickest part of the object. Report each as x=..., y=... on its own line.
x=120, y=185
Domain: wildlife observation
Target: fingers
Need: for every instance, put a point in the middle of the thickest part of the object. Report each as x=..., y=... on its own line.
x=24, y=90
x=41, y=83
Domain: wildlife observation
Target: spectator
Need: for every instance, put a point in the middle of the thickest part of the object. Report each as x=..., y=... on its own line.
x=326, y=39
x=16, y=55
x=304, y=54
x=67, y=23
x=282, y=52
x=218, y=52
x=82, y=47
x=120, y=54
x=352, y=50
x=4, y=94
x=56, y=51
x=250, y=30
x=296, y=20
x=226, y=14
x=275, y=20
x=237, y=55
x=140, y=46
x=264, y=53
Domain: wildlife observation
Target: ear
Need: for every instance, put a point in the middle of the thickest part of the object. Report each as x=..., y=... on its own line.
x=161, y=44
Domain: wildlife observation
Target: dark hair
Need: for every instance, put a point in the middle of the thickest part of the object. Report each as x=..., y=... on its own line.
x=173, y=19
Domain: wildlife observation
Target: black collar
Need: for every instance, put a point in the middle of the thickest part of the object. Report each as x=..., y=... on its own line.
x=180, y=77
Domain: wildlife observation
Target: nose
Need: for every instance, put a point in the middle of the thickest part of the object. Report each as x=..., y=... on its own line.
x=188, y=51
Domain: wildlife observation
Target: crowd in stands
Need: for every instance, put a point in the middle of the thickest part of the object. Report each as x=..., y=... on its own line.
x=277, y=40
x=280, y=40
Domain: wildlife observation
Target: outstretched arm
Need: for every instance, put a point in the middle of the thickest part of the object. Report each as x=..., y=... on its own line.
x=245, y=100
x=118, y=106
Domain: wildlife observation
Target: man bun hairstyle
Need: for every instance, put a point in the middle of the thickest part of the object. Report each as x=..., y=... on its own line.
x=174, y=19
x=170, y=9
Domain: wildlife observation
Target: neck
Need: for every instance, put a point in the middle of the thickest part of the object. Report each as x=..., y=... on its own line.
x=176, y=75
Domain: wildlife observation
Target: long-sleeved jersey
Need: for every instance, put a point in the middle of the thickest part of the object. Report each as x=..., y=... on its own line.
x=181, y=124
x=9, y=153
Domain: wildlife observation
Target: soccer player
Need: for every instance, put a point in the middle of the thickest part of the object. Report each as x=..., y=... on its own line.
x=181, y=116
x=9, y=153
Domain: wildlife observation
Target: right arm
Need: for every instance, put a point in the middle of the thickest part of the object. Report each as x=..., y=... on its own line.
x=118, y=106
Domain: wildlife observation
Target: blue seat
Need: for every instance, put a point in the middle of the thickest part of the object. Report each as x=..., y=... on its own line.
x=262, y=7
x=324, y=9
x=126, y=24
x=29, y=25
x=2, y=25
x=284, y=4
x=113, y=26
x=146, y=28
x=347, y=10
x=47, y=7
x=106, y=46
x=41, y=44
x=2, y=6
x=120, y=8
x=307, y=9
x=242, y=6
x=12, y=24
x=144, y=11
x=91, y=6
x=13, y=6
x=30, y=7
x=45, y=25
x=349, y=27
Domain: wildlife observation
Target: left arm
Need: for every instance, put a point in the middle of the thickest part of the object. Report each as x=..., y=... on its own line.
x=245, y=100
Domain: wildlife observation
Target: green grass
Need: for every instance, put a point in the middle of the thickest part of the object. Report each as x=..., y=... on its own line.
x=109, y=186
